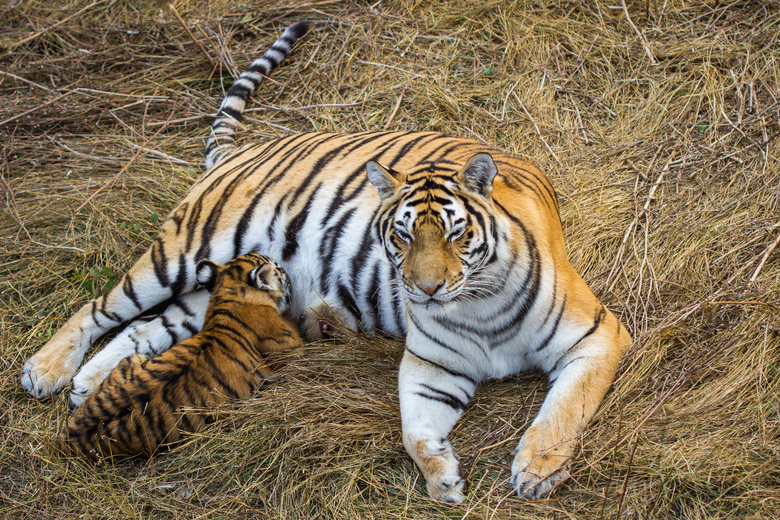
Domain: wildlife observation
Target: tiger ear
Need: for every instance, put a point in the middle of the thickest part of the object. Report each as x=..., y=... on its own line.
x=257, y=276
x=386, y=181
x=206, y=274
x=478, y=174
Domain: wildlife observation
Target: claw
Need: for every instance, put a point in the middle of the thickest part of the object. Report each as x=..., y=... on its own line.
x=532, y=487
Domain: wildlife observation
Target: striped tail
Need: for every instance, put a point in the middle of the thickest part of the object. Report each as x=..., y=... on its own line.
x=222, y=140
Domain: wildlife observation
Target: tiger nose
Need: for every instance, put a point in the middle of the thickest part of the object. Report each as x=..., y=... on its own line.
x=430, y=290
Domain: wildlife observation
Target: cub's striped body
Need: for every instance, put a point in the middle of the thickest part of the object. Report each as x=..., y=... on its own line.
x=451, y=242
x=141, y=404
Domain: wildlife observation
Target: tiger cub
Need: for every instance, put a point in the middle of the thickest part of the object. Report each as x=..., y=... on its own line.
x=140, y=406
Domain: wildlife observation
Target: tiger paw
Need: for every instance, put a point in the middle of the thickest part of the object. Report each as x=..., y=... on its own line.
x=448, y=488
x=533, y=487
x=46, y=375
x=93, y=373
x=536, y=477
x=440, y=466
x=82, y=388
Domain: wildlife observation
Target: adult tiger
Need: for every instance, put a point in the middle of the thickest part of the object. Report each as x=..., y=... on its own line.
x=140, y=405
x=449, y=241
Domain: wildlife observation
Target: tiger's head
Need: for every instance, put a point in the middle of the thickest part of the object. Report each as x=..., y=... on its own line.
x=438, y=229
x=247, y=277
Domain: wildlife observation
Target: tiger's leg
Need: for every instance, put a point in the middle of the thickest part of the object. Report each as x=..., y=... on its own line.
x=432, y=400
x=580, y=379
x=179, y=321
x=150, y=281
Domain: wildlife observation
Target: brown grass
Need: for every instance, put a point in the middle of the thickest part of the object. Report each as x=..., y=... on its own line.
x=659, y=132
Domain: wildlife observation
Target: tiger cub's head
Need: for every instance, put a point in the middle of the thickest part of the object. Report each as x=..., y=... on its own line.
x=438, y=229
x=248, y=277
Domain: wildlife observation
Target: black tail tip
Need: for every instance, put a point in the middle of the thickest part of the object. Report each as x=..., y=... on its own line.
x=299, y=29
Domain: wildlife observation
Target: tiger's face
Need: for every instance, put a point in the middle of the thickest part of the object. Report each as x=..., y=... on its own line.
x=247, y=277
x=438, y=231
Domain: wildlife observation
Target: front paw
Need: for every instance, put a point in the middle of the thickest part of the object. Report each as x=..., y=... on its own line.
x=441, y=468
x=536, y=473
x=531, y=486
x=539, y=464
x=447, y=488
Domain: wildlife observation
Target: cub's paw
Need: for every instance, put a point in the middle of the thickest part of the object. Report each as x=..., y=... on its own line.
x=533, y=487
x=45, y=375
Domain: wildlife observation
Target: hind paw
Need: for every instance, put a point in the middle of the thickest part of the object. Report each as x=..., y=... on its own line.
x=78, y=394
x=91, y=375
x=46, y=375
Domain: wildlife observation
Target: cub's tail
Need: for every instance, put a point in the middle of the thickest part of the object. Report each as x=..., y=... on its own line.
x=222, y=140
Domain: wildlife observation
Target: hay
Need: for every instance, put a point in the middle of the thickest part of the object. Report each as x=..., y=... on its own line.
x=658, y=129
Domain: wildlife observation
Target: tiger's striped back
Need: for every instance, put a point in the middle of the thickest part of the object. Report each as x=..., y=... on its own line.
x=140, y=405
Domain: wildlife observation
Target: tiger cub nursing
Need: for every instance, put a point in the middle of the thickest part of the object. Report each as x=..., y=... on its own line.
x=141, y=404
x=450, y=242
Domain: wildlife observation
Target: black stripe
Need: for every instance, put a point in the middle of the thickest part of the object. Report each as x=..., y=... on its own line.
x=271, y=230
x=347, y=301
x=443, y=368
x=399, y=316
x=180, y=303
x=329, y=246
x=169, y=328
x=129, y=290
x=372, y=297
x=112, y=316
x=361, y=252
x=445, y=398
x=432, y=338
x=553, y=331
x=596, y=322
x=231, y=112
x=295, y=226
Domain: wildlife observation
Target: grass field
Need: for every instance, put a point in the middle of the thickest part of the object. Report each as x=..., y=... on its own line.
x=657, y=122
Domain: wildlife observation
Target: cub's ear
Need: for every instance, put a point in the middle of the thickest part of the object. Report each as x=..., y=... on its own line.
x=478, y=174
x=386, y=181
x=206, y=274
x=258, y=278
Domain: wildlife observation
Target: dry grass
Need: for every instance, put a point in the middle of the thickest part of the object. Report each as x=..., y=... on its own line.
x=658, y=130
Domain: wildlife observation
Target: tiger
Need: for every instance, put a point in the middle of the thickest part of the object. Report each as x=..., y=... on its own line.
x=146, y=403
x=446, y=241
